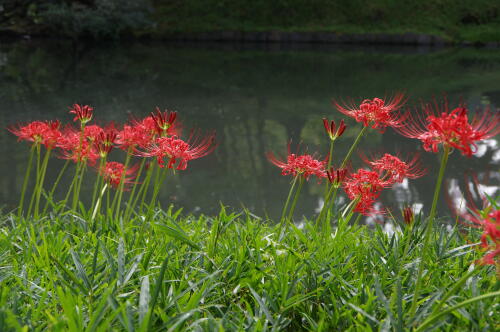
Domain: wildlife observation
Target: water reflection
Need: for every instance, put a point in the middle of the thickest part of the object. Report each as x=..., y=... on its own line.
x=255, y=97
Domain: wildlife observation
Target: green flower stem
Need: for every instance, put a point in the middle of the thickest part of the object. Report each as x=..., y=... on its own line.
x=139, y=193
x=160, y=177
x=73, y=183
x=41, y=181
x=96, y=207
x=76, y=197
x=285, y=207
x=295, y=199
x=98, y=181
x=134, y=187
x=430, y=223
x=353, y=146
x=121, y=186
x=329, y=164
x=145, y=185
x=80, y=168
x=54, y=186
x=38, y=171
x=25, y=181
x=325, y=207
x=435, y=317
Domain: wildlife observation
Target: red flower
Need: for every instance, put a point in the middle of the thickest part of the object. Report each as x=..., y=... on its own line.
x=490, y=239
x=133, y=136
x=366, y=187
x=163, y=120
x=82, y=113
x=92, y=132
x=491, y=230
x=177, y=150
x=336, y=177
x=376, y=113
x=332, y=130
x=392, y=169
x=39, y=132
x=304, y=165
x=105, y=141
x=435, y=125
x=113, y=172
x=76, y=148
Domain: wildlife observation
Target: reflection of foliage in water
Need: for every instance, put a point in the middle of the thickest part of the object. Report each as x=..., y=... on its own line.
x=254, y=97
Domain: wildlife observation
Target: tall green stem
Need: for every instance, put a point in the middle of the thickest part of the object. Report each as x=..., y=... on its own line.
x=76, y=196
x=134, y=187
x=26, y=180
x=158, y=182
x=326, y=206
x=330, y=161
x=97, y=205
x=41, y=181
x=430, y=223
x=38, y=172
x=54, y=186
x=145, y=185
x=295, y=199
x=98, y=180
x=285, y=207
x=353, y=146
x=121, y=186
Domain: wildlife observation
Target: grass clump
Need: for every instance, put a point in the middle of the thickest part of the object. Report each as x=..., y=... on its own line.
x=232, y=272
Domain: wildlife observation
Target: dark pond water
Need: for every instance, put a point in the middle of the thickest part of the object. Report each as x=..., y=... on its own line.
x=256, y=97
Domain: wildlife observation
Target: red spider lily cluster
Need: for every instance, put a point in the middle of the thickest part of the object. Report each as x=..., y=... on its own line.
x=434, y=124
x=157, y=135
x=366, y=185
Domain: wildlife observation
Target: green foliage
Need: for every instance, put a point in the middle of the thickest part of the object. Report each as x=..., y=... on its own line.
x=474, y=20
x=233, y=272
x=94, y=18
x=471, y=20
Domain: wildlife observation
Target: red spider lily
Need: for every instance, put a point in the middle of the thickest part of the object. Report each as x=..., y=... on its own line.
x=82, y=113
x=491, y=228
x=392, y=169
x=376, y=113
x=408, y=215
x=104, y=143
x=332, y=130
x=366, y=187
x=39, y=132
x=113, y=171
x=76, y=148
x=133, y=136
x=163, y=120
x=336, y=177
x=93, y=132
x=177, y=150
x=436, y=124
x=304, y=165
x=490, y=239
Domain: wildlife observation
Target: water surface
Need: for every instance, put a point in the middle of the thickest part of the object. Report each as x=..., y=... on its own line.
x=256, y=97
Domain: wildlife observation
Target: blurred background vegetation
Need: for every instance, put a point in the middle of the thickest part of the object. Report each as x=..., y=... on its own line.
x=464, y=20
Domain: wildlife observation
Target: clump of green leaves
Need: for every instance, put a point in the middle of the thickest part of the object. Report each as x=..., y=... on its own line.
x=235, y=272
